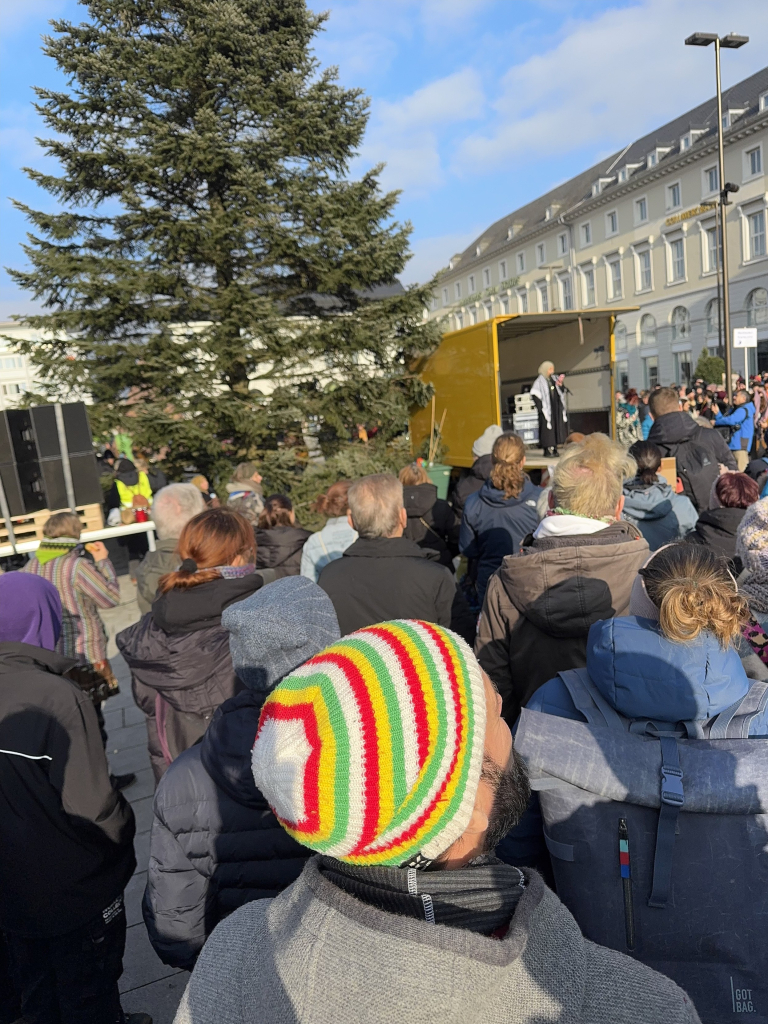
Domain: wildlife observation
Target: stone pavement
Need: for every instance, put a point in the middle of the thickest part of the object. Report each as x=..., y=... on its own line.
x=147, y=984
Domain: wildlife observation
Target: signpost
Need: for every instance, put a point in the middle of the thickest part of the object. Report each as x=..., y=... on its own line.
x=745, y=337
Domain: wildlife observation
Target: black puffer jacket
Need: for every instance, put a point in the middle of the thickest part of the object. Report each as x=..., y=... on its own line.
x=432, y=522
x=180, y=663
x=716, y=530
x=280, y=549
x=474, y=479
x=215, y=843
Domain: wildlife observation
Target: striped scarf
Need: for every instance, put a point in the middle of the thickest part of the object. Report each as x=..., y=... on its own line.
x=55, y=547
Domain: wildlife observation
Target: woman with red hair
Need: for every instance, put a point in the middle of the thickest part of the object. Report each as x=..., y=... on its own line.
x=179, y=651
x=732, y=494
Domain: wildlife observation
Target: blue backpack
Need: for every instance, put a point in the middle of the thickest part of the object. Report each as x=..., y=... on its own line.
x=658, y=836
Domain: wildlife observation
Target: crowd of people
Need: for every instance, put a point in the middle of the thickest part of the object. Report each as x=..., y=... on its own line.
x=503, y=714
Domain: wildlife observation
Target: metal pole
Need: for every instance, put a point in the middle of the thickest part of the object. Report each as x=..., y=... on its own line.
x=718, y=261
x=6, y=513
x=724, y=230
x=68, y=485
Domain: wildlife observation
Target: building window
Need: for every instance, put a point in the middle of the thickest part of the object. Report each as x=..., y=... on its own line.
x=505, y=305
x=11, y=389
x=459, y=321
x=614, y=277
x=712, y=316
x=681, y=323
x=647, y=329
x=685, y=143
x=756, y=231
x=503, y=270
x=487, y=277
x=683, y=367
x=644, y=279
x=586, y=234
x=565, y=292
x=673, y=196
x=473, y=315
x=641, y=210
x=757, y=307
x=712, y=254
x=434, y=303
x=543, y=296
x=764, y=101
x=562, y=244
x=622, y=375
x=471, y=284
x=588, y=276
x=522, y=301
x=652, y=159
x=612, y=223
x=754, y=162
x=651, y=371
x=620, y=336
x=521, y=262
x=677, y=260
x=12, y=363
x=540, y=254
x=711, y=179
x=457, y=288
x=445, y=296
x=488, y=310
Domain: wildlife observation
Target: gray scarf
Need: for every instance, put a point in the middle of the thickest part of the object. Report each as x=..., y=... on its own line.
x=479, y=898
x=755, y=588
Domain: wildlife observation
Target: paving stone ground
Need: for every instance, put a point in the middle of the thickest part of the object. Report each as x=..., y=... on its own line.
x=147, y=984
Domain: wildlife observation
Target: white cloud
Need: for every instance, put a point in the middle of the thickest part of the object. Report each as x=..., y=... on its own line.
x=611, y=79
x=404, y=134
x=430, y=254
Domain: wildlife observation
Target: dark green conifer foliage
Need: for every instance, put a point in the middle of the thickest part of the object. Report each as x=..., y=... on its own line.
x=209, y=234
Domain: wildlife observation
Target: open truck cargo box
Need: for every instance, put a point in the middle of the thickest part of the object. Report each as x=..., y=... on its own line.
x=477, y=371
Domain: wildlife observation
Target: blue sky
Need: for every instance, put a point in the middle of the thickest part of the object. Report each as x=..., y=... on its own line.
x=477, y=106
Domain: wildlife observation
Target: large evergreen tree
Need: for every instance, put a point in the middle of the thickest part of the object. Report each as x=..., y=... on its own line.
x=210, y=245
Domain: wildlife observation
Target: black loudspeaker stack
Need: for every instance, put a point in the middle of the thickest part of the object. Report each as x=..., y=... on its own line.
x=31, y=460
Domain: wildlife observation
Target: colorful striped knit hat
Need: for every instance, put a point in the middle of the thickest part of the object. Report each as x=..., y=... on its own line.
x=371, y=751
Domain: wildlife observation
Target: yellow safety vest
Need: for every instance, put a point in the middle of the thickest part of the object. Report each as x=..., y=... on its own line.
x=127, y=494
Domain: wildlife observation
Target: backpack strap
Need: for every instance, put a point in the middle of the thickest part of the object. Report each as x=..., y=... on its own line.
x=734, y=722
x=672, y=799
x=588, y=699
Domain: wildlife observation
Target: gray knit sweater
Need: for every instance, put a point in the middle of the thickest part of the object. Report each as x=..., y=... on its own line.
x=316, y=955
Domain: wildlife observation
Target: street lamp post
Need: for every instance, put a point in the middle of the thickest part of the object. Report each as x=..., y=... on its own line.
x=730, y=42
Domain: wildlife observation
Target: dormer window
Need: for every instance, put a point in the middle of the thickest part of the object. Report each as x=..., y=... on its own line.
x=685, y=143
x=656, y=155
x=601, y=184
x=732, y=114
x=763, y=102
x=478, y=250
x=551, y=211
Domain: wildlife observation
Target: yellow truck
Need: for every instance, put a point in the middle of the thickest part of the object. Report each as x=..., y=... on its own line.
x=477, y=371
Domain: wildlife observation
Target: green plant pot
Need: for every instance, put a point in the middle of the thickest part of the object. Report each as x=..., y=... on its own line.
x=439, y=474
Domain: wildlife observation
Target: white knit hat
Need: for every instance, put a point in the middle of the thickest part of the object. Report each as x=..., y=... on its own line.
x=484, y=444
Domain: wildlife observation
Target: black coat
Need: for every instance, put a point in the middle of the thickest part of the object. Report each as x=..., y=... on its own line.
x=280, y=548
x=180, y=652
x=677, y=435
x=66, y=836
x=471, y=482
x=432, y=522
x=392, y=578
x=215, y=843
x=717, y=529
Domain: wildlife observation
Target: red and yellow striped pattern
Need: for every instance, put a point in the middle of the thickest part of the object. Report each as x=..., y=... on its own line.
x=371, y=751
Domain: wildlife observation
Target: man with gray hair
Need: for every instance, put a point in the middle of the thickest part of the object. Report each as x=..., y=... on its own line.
x=383, y=575
x=172, y=508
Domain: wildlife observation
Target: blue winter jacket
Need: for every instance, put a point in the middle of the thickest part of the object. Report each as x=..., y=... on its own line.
x=742, y=416
x=659, y=514
x=642, y=675
x=494, y=526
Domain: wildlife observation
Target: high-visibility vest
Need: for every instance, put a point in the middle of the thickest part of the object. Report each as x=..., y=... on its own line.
x=127, y=494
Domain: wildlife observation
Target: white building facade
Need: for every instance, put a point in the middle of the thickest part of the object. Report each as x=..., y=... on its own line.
x=17, y=374
x=639, y=229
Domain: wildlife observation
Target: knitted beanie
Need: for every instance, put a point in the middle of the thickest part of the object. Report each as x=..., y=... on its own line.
x=278, y=628
x=752, y=537
x=371, y=752
x=484, y=444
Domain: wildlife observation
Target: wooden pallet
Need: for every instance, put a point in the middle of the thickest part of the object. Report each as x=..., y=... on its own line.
x=30, y=527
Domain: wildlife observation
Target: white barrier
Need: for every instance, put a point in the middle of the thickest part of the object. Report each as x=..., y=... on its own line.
x=28, y=546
